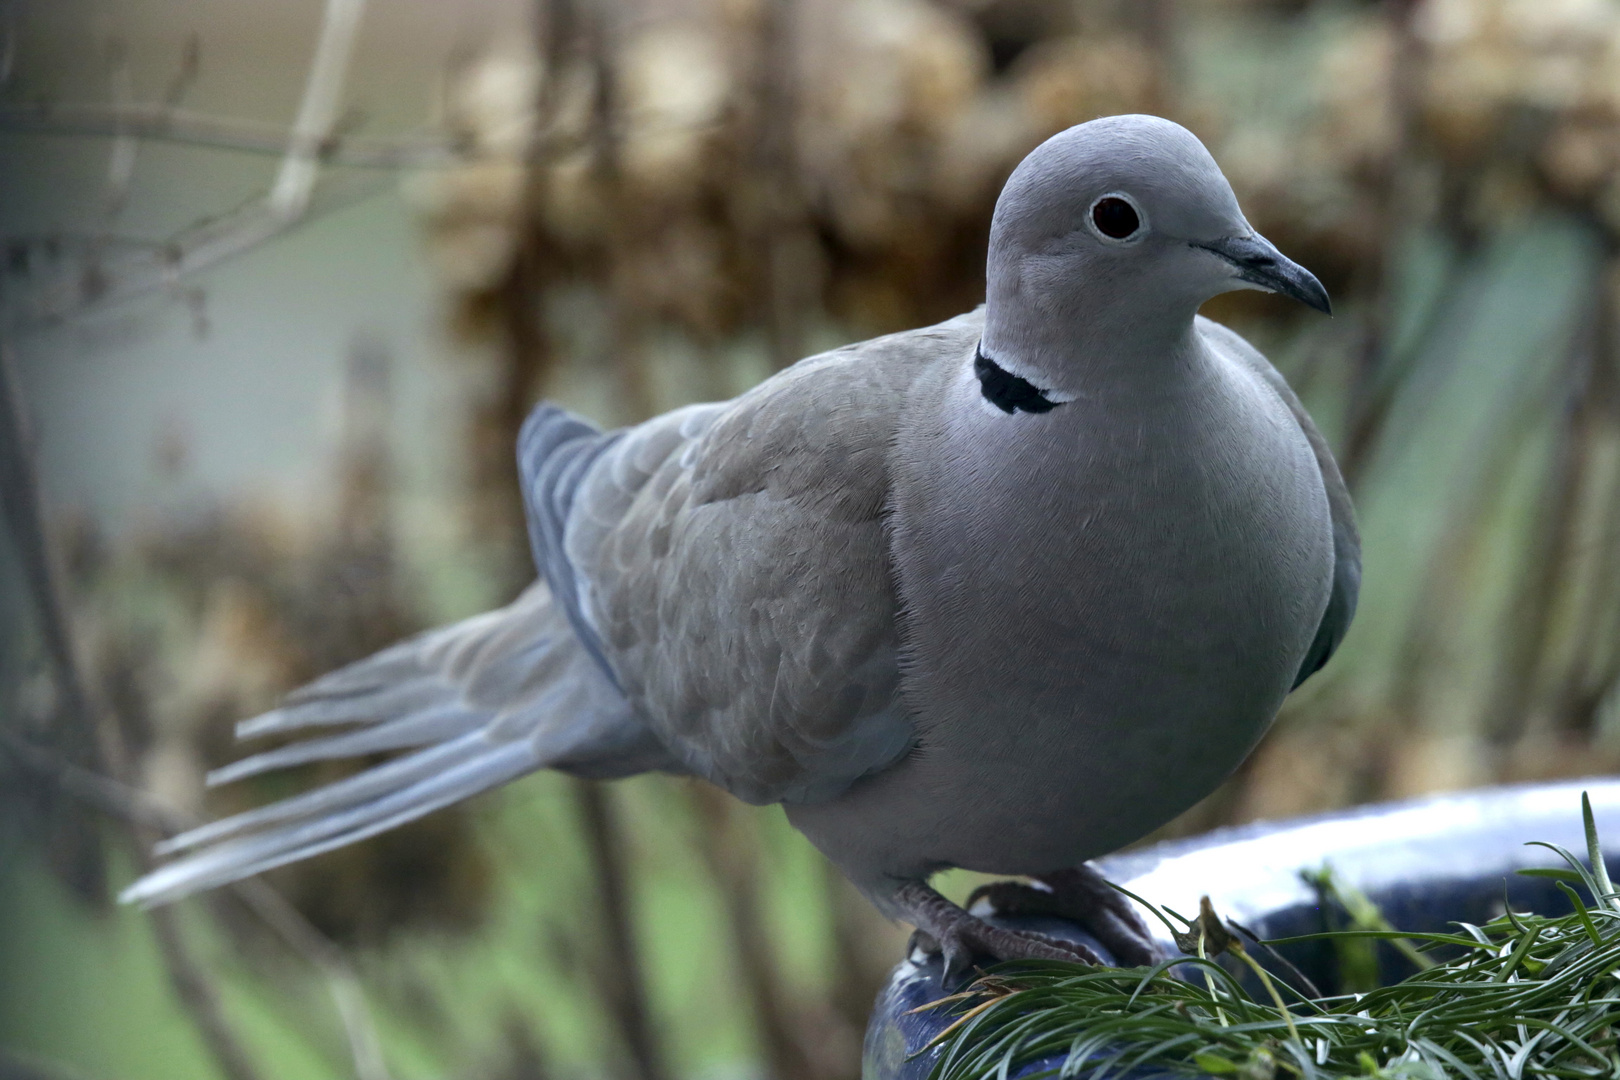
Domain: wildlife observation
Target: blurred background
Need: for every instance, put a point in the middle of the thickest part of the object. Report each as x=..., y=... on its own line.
x=279, y=281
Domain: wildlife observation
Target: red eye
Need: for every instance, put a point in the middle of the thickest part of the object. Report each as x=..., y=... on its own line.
x=1115, y=217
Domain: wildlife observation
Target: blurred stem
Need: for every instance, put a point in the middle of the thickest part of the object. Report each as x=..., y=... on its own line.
x=626, y=320
x=13, y=1067
x=1550, y=552
x=1594, y=667
x=19, y=487
x=165, y=123
x=732, y=855
x=1475, y=492
x=1596, y=671
x=131, y=806
x=1372, y=387
x=619, y=978
x=856, y=978
x=1382, y=370
x=23, y=505
x=783, y=250
x=198, y=993
x=525, y=353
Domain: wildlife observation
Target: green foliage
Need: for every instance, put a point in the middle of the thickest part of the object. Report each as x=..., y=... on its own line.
x=1522, y=996
x=1358, y=956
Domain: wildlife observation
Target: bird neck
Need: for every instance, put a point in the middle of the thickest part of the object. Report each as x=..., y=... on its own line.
x=1069, y=359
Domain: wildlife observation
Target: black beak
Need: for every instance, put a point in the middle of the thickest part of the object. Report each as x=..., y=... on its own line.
x=1260, y=264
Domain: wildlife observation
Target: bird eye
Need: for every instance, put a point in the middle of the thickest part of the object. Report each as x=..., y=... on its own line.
x=1114, y=217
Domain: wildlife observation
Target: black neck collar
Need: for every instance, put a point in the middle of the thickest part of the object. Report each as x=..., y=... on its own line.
x=1007, y=391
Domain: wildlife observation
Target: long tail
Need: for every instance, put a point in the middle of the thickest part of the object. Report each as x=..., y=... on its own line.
x=481, y=702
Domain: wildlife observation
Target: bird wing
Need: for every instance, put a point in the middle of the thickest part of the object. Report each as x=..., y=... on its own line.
x=733, y=566
x=1346, y=539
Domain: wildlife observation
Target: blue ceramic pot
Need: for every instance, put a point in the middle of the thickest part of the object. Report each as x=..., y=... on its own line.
x=1426, y=863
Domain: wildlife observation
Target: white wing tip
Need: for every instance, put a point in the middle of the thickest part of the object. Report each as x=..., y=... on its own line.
x=261, y=724
x=158, y=887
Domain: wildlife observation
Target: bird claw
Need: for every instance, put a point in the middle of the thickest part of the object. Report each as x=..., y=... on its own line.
x=1081, y=895
x=958, y=958
x=922, y=946
x=943, y=929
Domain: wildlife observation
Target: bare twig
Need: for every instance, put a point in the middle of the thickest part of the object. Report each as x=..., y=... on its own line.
x=24, y=513
x=619, y=979
x=200, y=997
x=135, y=807
x=211, y=242
x=734, y=865
x=147, y=271
x=318, y=111
x=166, y=123
x=125, y=147
x=365, y=1048
x=14, y=1066
x=20, y=501
x=625, y=320
x=100, y=793
x=783, y=250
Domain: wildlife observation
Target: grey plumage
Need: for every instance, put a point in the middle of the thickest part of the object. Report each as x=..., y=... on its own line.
x=945, y=628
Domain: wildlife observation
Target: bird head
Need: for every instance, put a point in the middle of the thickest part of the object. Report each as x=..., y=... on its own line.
x=1127, y=218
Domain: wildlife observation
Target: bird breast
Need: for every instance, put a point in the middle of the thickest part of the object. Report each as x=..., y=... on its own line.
x=1103, y=605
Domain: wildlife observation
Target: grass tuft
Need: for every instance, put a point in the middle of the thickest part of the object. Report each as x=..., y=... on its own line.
x=1523, y=996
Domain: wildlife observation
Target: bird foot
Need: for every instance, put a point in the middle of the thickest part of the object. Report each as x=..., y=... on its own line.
x=1081, y=895
x=945, y=929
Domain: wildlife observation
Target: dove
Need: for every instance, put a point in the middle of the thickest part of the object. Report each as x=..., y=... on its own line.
x=1005, y=593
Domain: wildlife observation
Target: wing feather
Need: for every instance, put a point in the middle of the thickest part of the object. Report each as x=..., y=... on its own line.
x=737, y=570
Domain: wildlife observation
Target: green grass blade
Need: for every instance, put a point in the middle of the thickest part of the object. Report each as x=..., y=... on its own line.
x=1594, y=851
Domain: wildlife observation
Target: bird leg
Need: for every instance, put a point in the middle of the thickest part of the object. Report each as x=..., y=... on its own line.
x=952, y=931
x=1082, y=895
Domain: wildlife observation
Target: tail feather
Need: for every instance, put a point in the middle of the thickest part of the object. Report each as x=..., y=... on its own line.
x=377, y=672
x=330, y=798
x=434, y=724
x=408, y=676
x=483, y=702
x=493, y=764
x=347, y=707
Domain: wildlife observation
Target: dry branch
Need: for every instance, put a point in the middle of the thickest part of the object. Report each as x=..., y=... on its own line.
x=618, y=976
x=318, y=111
x=733, y=861
x=209, y=242
x=148, y=817
x=25, y=519
x=135, y=807
x=164, y=123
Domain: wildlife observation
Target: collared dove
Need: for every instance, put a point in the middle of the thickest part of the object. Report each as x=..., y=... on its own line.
x=1004, y=593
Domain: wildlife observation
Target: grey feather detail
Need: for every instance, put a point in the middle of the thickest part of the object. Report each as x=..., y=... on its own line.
x=555, y=449
x=350, y=705
x=437, y=723
x=735, y=564
x=488, y=765
x=414, y=675
x=374, y=673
